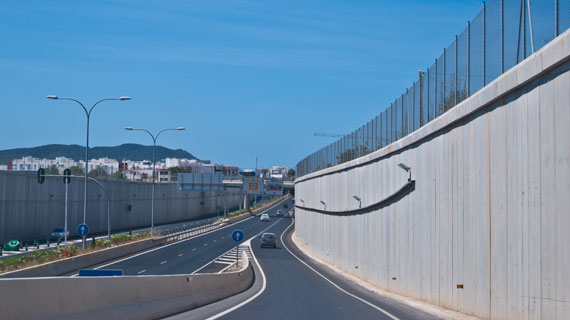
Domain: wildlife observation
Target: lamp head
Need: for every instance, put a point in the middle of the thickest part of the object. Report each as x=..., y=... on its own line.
x=356, y=198
x=180, y=128
x=403, y=166
x=125, y=98
x=52, y=97
x=128, y=128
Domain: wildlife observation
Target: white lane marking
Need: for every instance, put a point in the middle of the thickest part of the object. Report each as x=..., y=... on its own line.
x=163, y=262
x=180, y=255
x=194, y=249
x=215, y=240
x=330, y=281
x=224, y=262
x=229, y=252
x=141, y=271
x=264, y=283
x=205, y=244
x=181, y=241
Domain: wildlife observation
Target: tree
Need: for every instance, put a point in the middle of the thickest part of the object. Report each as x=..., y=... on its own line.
x=76, y=171
x=98, y=172
x=175, y=170
x=291, y=173
x=53, y=170
x=118, y=176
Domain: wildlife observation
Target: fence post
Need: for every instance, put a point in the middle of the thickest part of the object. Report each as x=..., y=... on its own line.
x=468, y=59
x=502, y=37
x=484, y=40
x=421, y=82
x=456, y=71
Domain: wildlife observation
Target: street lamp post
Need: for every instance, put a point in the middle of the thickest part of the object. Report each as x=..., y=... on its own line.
x=88, y=114
x=153, y=167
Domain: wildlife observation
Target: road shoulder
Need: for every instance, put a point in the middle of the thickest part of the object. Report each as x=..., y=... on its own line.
x=367, y=290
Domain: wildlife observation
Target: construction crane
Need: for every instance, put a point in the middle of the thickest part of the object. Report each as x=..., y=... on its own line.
x=331, y=135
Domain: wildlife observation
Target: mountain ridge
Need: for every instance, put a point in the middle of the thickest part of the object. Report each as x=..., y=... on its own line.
x=128, y=151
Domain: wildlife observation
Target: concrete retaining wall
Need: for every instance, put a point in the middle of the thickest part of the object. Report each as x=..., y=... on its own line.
x=29, y=210
x=127, y=297
x=490, y=209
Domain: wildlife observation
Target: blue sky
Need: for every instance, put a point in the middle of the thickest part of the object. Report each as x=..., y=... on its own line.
x=246, y=78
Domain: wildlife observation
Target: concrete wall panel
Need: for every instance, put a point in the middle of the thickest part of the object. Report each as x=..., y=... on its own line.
x=489, y=209
x=29, y=210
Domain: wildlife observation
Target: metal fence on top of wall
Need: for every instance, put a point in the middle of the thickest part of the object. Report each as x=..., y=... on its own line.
x=503, y=33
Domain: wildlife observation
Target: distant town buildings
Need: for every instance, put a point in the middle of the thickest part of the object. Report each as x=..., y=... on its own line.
x=166, y=170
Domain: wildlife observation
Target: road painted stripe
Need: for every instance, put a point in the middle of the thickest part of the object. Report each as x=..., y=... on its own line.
x=224, y=262
x=181, y=241
x=180, y=255
x=163, y=262
x=331, y=282
x=264, y=283
x=232, y=251
x=194, y=249
x=205, y=244
x=142, y=271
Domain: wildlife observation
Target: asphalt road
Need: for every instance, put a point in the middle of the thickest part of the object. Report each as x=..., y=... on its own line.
x=189, y=255
x=295, y=291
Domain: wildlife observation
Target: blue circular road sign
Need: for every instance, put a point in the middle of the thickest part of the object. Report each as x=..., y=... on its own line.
x=82, y=229
x=237, y=235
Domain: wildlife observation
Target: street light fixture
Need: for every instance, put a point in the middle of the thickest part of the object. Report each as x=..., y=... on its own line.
x=88, y=114
x=153, y=166
x=359, y=201
x=408, y=170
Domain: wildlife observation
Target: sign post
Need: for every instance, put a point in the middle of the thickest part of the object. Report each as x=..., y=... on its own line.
x=66, y=180
x=237, y=235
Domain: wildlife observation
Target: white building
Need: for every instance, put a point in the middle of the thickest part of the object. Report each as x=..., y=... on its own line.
x=30, y=163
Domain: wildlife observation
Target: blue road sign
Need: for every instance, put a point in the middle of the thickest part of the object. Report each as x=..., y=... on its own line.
x=82, y=229
x=237, y=235
x=99, y=273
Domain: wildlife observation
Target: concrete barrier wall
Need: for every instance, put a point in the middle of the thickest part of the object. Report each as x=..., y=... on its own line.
x=29, y=210
x=127, y=297
x=490, y=209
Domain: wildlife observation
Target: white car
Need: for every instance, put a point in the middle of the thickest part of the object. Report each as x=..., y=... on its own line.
x=280, y=213
x=264, y=217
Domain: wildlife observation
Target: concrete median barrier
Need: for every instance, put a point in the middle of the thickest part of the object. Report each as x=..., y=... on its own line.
x=61, y=267
x=127, y=297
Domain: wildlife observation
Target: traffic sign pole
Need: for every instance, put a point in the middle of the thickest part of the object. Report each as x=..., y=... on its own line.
x=65, y=224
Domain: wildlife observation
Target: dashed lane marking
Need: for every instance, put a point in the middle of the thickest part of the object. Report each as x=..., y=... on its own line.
x=142, y=271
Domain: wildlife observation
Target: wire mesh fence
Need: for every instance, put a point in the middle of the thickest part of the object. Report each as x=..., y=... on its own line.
x=501, y=35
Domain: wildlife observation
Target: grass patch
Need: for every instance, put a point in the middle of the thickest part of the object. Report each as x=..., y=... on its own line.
x=39, y=257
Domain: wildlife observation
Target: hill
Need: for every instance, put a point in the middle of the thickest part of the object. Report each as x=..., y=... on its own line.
x=128, y=151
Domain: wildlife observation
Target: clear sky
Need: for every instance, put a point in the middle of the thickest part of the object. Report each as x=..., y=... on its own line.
x=246, y=78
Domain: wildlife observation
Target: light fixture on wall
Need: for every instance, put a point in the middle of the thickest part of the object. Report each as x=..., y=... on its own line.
x=359, y=201
x=408, y=170
x=324, y=204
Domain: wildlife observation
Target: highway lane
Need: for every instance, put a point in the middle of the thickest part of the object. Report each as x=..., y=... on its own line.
x=294, y=291
x=187, y=256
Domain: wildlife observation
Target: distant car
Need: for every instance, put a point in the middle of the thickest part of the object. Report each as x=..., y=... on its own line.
x=268, y=240
x=264, y=217
x=279, y=213
x=58, y=233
